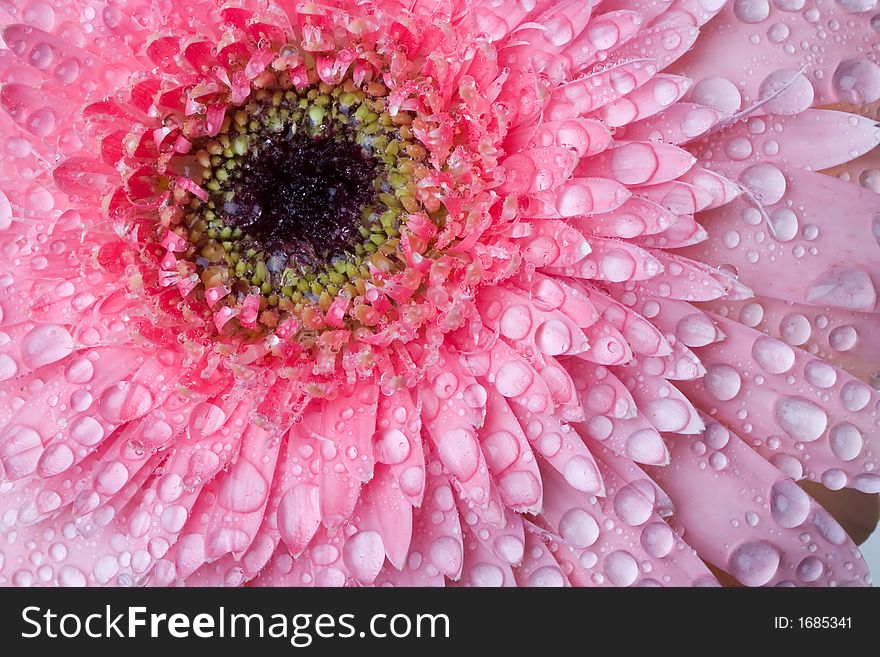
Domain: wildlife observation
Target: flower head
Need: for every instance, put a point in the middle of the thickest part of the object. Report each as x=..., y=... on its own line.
x=441, y=292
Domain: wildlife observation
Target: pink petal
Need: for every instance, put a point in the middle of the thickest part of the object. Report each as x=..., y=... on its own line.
x=752, y=521
x=807, y=420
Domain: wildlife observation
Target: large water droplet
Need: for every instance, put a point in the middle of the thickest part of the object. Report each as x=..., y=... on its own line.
x=722, y=382
x=657, y=539
x=553, y=337
x=244, y=489
x=364, y=554
x=546, y=576
x=646, y=446
x=810, y=569
x=765, y=181
x=578, y=528
x=581, y=474
x=846, y=441
x=510, y=548
x=392, y=447
x=791, y=92
x=774, y=356
x=857, y=81
x=789, y=504
x=45, y=344
x=486, y=575
x=445, y=555
x=125, y=401
x=20, y=450
x=621, y=568
x=460, y=454
x=754, y=563
x=501, y=449
x=299, y=516
x=513, y=378
x=111, y=477
x=667, y=414
x=71, y=576
x=801, y=418
x=631, y=506
x=718, y=93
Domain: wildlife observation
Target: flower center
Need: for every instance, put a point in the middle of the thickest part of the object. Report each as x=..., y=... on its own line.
x=302, y=196
x=295, y=202
x=303, y=190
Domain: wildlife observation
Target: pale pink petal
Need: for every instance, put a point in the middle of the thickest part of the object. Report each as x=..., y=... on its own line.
x=751, y=520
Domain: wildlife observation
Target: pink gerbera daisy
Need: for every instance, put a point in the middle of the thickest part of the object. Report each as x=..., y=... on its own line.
x=433, y=292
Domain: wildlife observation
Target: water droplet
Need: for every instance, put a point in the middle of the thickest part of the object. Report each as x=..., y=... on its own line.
x=772, y=355
x=765, y=181
x=501, y=449
x=631, y=506
x=834, y=479
x=810, y=569
x=86, y=431
x=510, y=548
x=621, y=568
x=20, y=450
x=546, y=576
x=79, y=371
x=299, y=516
x=206, y=418
x=519, y=489
x=392, y=447
x=722, y=382
x=801, y=418
x=646, y=446
x=633, y=163
x=843, y=287
x=856, y=81
x=445, y=555
x=789, y=504
x=795, y=329
x=855, y=396
x=784, y=223
x=513, y=378
x=578, y=528
x=581, y=474
x=125, y=401
x=696, y=330
x=820, y=374
x=45, y=344
x=71, y=576
x=843, y=338
x=829, y=528
x=486, y=575
x=718, y=93
x=56, y=459
x=667, y=414
x=244, y=489
x=657, y=539
x=173, y=518
x=460, y=454
x=754, y=563
x=110, y=478
x=867, y=483
x=553, y=337
x=791, y=92
x=846, y=441
x=364, y=554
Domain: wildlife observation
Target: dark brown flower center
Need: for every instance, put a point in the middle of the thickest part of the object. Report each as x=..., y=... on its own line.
x=303, y=195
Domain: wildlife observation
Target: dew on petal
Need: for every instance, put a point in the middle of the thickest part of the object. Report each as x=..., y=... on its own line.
x=801, y=418
x=755, y=563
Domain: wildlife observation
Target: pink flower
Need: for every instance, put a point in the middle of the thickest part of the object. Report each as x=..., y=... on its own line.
x=470, y=293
